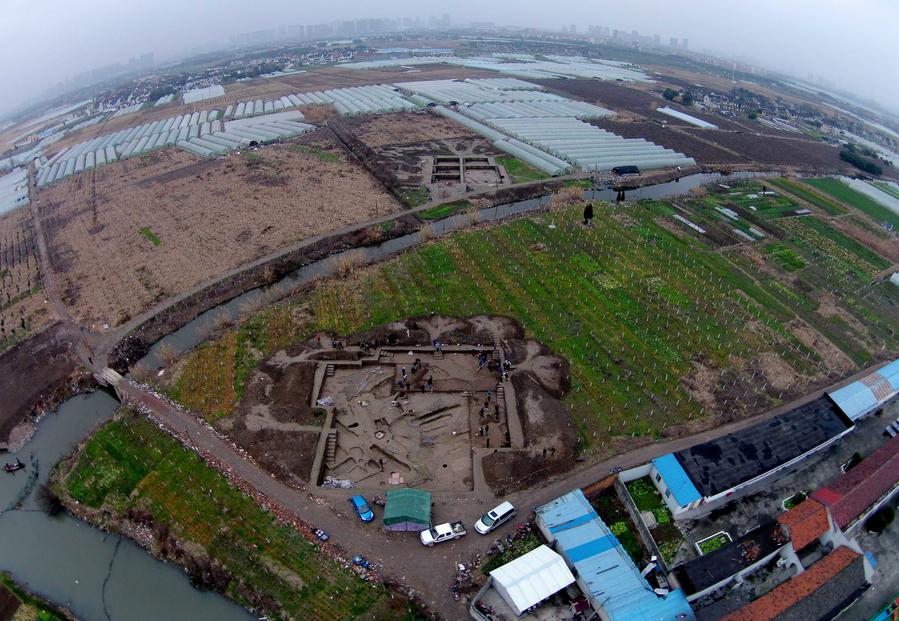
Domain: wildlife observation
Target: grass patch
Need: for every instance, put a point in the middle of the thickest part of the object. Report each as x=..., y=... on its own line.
x=785, y=256
x=800, y=191
x=415, y=197
x=794, y=500
x=710, y=544
x=3, y=274
x=130, y=467
x=32, y=607
x=150, y=236
x=848, y=196
x=321, y=154
x=518, y=548
x=519, y=171
x=444, y=211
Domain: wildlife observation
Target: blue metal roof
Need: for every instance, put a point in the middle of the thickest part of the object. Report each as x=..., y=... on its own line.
x=677, y=479
x=868, y=393
x=603, y=566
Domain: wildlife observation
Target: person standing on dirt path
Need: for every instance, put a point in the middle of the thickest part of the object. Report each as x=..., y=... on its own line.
x=588, y=214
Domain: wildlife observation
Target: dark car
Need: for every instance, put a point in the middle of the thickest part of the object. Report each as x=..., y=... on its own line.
x=362, y=509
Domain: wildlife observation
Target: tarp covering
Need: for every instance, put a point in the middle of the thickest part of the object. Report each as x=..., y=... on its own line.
x=531, y=578
x=407, y=510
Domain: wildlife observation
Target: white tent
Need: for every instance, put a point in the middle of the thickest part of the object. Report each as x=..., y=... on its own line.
x=531, y=578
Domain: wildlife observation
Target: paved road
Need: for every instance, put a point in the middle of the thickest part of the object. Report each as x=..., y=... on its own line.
x=428, y=570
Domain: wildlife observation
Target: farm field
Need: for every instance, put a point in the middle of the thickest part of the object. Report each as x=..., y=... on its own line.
x=809, y=195
x=666, y=330
x=842, y=192
x=519, y=171
x=131, y=474
x=23, y=311
x=125, y=236
x=671, y=138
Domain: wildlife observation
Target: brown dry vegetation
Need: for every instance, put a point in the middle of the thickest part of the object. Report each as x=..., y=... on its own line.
x=209, y=217
x=23, y=310
x=312, y=80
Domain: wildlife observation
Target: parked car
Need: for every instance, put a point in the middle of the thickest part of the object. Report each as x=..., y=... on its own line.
x=442, y=532
x=362, y=509
x=494, y=518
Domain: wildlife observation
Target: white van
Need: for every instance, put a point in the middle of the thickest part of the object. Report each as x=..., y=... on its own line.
x=494, y=518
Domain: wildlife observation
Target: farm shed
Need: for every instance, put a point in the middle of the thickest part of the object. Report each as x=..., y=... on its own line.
x=605, y=572
x=531, y=578
x=869, y=393
x=718, y=468
x=407, y=510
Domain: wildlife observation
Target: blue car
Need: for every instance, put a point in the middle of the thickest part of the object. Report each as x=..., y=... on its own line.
x=362, y=510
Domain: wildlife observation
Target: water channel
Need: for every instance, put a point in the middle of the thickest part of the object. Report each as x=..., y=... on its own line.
x=103, y=577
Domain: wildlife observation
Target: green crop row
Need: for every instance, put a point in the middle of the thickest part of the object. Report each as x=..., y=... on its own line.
x=129, y=467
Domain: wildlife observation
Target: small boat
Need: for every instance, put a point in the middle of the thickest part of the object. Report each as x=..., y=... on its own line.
x=10, y=468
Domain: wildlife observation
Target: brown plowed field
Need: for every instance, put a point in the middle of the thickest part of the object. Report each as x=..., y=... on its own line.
x=700, y=150
x=766, y=149
x=205, y=217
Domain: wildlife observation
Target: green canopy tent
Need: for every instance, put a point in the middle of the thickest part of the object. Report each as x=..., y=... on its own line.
x=407, y=510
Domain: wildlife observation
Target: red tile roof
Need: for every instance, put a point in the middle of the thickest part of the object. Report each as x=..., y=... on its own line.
x=805, y=522
x=782, y=598
x=853, y=493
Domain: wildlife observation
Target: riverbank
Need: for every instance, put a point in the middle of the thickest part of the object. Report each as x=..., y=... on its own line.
x=35, y=377
x=29, y=606
x=133, y=479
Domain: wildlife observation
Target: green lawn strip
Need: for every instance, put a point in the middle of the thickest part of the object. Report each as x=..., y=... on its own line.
x=152, y=237
x=444, y=211
x=199, y=506
x=842, y=192
x=519, y=171
x=808, y=195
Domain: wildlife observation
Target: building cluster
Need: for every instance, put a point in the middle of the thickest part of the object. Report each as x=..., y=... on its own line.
x=336, y=29
x=802, y=564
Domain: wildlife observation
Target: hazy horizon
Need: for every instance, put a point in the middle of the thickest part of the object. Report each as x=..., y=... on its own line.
x=847, y=44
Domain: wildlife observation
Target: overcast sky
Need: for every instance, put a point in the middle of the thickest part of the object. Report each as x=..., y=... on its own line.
x=855, y=43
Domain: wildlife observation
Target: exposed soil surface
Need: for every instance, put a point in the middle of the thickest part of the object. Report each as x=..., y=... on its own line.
x=699, y=149
x=767, y=150
x=129, y=235
x=405, y=128
x=425, y=436
x=37, y=375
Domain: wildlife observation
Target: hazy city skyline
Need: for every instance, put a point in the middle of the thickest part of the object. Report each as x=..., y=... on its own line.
x=846, y=44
